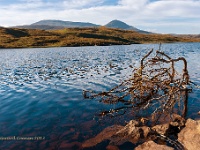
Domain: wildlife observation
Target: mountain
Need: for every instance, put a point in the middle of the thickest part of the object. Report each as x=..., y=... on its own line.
x=41, y=27
x=68, y=24
x=59, y=24
x=121, y=25
x=56, y=24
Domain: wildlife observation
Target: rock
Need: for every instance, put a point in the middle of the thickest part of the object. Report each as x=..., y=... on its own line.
x=130, y=133
x=178, y=121
x=119, y=134
x=190, y=135
x=150, y=145
x=73, y=145
x=104, y=135
x=173, y=119
x=112, y=147
x=161, y=129
x=198, y=113
x=174, y=126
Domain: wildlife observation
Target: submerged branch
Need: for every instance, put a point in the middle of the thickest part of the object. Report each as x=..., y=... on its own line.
x=152, y=88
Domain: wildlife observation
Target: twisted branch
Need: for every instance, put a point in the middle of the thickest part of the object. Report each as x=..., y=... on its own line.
x=151, y=86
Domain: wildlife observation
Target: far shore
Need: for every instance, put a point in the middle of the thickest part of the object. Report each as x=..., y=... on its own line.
x=75, y=37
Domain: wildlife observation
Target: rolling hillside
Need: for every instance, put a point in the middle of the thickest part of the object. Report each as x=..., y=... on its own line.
x=23, y=38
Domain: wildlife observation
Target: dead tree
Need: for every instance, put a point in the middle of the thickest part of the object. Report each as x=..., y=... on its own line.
x=155, y=84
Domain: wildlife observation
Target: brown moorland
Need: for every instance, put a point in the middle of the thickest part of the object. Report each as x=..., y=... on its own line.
x=27, y=38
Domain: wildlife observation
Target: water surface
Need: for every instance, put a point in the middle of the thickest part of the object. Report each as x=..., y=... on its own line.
x=41, y=91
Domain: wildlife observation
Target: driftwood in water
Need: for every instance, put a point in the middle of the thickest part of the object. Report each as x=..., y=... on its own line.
x=155, y=86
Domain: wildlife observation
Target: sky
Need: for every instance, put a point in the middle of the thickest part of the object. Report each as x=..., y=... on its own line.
x=160, y=16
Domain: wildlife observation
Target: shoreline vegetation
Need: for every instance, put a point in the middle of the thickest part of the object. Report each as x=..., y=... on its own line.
x=72, y=37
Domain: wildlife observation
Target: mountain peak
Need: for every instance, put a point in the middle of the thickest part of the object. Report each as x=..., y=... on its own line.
x=122, y=25
x=117, y=21
x=119, y=24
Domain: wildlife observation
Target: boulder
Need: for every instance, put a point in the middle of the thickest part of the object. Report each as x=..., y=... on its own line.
x=130, y=133
x=190, y=135
x=112, y=147
x=150, y=145
x=134, y=133
x=104, y=135
x=117, y=135
x=161, y=129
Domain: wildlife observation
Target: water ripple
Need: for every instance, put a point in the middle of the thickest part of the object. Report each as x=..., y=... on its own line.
x=41, y=89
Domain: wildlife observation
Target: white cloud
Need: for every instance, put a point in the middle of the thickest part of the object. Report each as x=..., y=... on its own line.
x=179, y=8
x=144, y=14
x=81, y=3
x=132, y=2
x=25, y=5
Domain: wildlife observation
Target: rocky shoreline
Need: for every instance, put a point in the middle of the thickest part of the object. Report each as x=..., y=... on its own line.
x=179, y=134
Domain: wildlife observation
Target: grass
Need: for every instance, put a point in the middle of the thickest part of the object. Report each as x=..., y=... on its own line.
x=22, y=38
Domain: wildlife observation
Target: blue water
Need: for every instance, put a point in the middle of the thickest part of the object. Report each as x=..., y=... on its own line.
x=41, y=90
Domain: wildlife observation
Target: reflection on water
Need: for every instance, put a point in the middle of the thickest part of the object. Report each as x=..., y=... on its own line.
x=41, y=90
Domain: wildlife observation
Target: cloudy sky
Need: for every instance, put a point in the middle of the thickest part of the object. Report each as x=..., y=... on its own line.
x=162, y=16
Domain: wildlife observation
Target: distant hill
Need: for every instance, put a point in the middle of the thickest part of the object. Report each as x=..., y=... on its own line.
x=68, y=24
x=121, y=25
x=59, y=24
x=41, y=27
